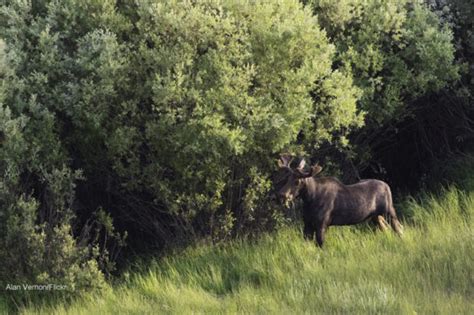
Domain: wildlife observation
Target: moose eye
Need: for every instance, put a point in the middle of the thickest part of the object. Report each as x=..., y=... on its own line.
x=281, y=176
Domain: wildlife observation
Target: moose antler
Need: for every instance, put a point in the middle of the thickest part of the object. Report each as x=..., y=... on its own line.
x=285, y=162
x=301, y=165
x=300, y=169
x=315, y=169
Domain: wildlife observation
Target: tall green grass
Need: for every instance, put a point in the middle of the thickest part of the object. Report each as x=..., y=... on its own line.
x=428, y=271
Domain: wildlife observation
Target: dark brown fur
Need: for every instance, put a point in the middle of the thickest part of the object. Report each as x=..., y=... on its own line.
x=327, y=201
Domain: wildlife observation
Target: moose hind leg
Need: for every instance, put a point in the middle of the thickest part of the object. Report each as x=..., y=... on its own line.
x=396, y=225
x=381, y=223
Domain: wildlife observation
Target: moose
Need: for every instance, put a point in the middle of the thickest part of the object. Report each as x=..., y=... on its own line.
x=327, y=201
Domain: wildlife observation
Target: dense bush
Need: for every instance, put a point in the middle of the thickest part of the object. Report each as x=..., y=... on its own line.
x=224, y=91
x=440, y=124
x=398, y=53
x=36, y=198
x=39, y=240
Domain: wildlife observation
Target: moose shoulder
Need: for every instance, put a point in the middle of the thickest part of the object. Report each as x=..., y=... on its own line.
x=326, y=201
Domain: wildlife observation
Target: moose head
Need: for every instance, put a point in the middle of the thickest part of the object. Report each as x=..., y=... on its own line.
x=290, y=181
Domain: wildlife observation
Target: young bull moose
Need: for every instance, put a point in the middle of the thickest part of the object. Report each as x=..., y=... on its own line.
x=329, y=202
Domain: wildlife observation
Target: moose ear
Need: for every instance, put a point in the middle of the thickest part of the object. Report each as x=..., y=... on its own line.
x=281, y=164
x=285, y=160
x=316, y=169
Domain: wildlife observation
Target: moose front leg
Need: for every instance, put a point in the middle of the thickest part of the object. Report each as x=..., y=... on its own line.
x=321, y=228
x=308, y=231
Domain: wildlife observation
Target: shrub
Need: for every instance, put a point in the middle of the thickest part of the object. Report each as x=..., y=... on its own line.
x=400, y=54
x=39, y=240
x=165, y=116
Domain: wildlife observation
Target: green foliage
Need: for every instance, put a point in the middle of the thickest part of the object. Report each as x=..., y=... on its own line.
x=229, y=87
x=458, y=15
x=37, y=183
x=402, y=57
x=173, y=111
x=36, y=241
x=396, y=50
x=429, y=270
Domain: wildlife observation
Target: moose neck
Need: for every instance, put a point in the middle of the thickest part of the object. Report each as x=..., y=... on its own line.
x=306, y=188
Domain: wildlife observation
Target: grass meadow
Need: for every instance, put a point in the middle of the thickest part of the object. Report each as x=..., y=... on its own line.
x=428, y=271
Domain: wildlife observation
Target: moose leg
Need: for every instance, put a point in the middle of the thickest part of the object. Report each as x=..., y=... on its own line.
x=381, y=223
x=396, y=225
x=320, y=235
x=321, y=228
x=308, y=231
